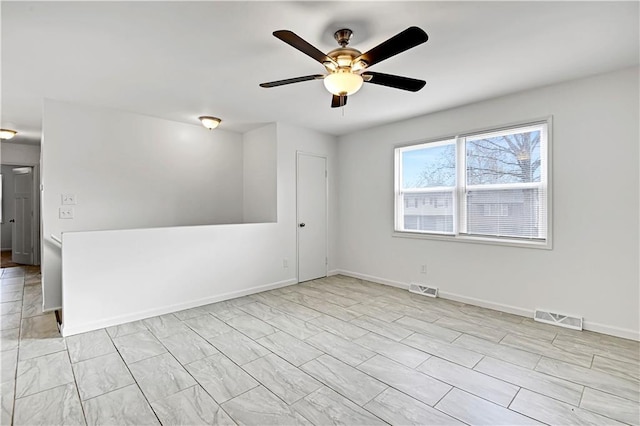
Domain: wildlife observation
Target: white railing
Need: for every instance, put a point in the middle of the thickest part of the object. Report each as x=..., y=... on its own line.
x=57, y=240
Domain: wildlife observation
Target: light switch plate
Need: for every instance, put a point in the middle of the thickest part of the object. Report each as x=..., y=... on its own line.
x=69, y=199
x=65, y=212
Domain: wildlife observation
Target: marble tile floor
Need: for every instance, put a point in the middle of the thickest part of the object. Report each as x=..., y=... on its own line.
x=337, y=350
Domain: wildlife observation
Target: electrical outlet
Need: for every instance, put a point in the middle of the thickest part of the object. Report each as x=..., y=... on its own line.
x=285, y=263
x=65, y=212
x=68, y=199
x=423, y=269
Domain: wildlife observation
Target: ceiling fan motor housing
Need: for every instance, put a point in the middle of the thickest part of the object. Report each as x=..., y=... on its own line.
x=344, y=57
x=343, y=36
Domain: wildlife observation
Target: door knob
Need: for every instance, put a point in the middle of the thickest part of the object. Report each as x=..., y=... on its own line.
x=302, y=225
x=12, y=220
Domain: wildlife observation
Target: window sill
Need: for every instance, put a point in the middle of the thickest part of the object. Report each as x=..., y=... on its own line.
x=544, y=245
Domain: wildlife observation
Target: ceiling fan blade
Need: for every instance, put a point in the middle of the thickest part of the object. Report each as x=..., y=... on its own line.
x=292, y=80
x=296, y=41
x=395, y=81
x=411, y=37
x=338, y=101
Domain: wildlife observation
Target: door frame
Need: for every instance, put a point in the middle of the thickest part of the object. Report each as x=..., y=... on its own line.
x=326, y=203
x=36, y=224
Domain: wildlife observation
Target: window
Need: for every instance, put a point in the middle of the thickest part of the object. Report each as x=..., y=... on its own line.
x=489, y=186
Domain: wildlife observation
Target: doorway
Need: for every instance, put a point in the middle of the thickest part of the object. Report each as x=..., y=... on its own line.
x=20, y=215
x=311, y=196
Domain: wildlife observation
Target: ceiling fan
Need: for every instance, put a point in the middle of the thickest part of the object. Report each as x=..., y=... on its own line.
x=347, y=68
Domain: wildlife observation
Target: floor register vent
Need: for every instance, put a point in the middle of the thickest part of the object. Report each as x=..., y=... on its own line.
x=423, y=290
x=561, y=320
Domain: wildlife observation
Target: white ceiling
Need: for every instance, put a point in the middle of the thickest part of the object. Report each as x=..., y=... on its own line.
x=179, y=60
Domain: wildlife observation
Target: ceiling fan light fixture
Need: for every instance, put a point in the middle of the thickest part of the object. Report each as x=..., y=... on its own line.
x=331, y=66
x=344, y=61
x=7, y=134
x=343, y=83
x=209, y=122
x=358, y=66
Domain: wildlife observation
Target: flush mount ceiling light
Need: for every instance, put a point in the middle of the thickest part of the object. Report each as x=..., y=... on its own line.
x=209, y=122
x=7, y=134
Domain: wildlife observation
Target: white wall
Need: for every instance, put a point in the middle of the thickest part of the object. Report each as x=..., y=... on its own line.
x=15, y=153
x=259, y=150
x=292, y=139
x=593, y=268
x=112, y=277
x=132, y=171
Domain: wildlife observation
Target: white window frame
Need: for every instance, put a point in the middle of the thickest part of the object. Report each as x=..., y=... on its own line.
x=399, y=219
x=459, y=200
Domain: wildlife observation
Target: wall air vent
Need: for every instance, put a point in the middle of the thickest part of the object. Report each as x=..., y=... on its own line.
x=423, y=290
x=561, y=320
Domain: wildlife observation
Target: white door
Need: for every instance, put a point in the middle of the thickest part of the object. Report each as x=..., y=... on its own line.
x=312, y=217
x=21, y=238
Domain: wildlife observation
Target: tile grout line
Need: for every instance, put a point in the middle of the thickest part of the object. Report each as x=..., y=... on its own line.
x=270, y=353
x=245, y=371
x=311, y=307
x=339, y=393
x=134, y=377
x=463, y=390
x=582, y=395
x=577, y=407
x=538, y=353
x=532, y=390
x=267, y=387
x=514, y=396
x=373, y=399
x=75, y=382
x=222, y=354
x=535, y=391
x=514, y=411
x=443, y=397
x=585, y=386
x=399, y=390
x=15, y=381
x=599, y=413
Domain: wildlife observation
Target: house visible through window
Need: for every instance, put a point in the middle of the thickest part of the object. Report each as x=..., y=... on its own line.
x=491, y=185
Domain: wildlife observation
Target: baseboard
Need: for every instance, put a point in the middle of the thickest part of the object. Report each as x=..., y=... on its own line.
x=625, y=333
x=373, y=279
x=108, y=322
x=515, y=310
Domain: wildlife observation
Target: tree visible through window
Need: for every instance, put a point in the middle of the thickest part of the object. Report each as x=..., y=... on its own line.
x=492, y=184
